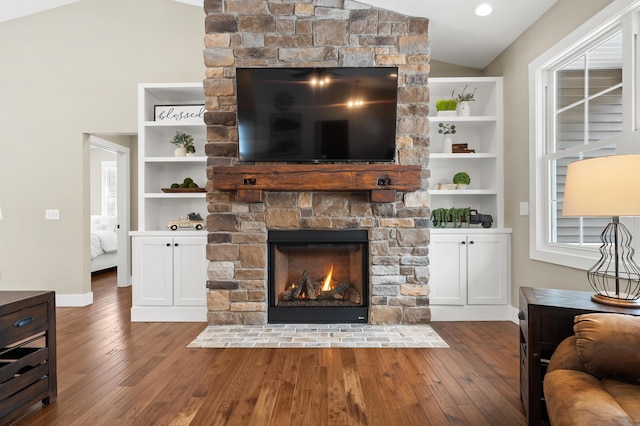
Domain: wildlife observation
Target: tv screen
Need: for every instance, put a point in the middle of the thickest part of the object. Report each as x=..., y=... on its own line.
x=317, y=114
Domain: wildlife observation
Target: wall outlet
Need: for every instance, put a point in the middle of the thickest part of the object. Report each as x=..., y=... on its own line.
x=52, y=214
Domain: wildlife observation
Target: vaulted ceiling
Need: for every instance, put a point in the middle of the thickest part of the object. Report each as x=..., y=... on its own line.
x=457, y=35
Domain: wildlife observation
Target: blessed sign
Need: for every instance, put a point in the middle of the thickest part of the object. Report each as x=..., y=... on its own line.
x=179, y=113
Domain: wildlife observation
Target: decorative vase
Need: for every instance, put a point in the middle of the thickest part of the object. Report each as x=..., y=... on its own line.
x=446, y=113
x=464, y=109
x=462, y=185
x=180, y=151
x=446, y=144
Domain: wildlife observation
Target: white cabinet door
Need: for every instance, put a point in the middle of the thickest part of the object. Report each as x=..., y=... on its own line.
x=190, y=271
x=448, y=270
x=488, y=269
x=152, y=271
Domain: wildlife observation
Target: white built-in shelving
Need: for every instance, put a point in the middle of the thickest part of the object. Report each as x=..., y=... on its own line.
x=169, y=267
x=470, y=267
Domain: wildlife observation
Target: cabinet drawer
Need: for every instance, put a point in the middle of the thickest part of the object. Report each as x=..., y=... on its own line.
x=21, y=400
x=20, y=360
x=21, y=324
x=21, y=381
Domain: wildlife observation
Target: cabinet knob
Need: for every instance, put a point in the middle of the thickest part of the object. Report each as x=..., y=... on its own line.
x=463, y=242
x=471, y=242
x=168, y=244
x=175, y=244
x=521, y=315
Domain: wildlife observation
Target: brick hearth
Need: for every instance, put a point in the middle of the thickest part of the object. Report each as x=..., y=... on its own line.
x=322, y=33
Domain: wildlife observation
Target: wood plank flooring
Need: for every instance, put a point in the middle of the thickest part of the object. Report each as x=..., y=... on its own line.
x=113, y=372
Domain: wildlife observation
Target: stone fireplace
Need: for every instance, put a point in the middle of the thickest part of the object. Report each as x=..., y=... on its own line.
x=318, y=33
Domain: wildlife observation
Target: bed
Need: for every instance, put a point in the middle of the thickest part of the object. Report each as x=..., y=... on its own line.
x=104, y=242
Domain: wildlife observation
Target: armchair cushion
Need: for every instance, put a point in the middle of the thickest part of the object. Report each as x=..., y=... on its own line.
x=609, y=345
x=594, y=376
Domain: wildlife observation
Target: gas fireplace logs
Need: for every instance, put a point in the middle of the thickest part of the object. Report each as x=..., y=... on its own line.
x=323, y=290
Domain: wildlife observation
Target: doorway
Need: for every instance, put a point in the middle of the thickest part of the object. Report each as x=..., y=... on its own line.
x=117, y=152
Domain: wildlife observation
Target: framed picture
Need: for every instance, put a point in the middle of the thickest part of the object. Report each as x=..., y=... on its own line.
x=183, y=114
x=285, y=134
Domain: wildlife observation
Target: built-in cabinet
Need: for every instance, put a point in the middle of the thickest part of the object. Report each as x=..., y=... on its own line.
x=475, y=268
x=169, y=267
x=469, y=266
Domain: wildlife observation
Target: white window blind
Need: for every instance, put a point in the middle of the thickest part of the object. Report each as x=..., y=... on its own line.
x=109, y=188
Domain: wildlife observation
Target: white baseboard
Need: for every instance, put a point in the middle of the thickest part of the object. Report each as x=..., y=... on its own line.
x=74, y=300
x=169, y=314
x=474, y=313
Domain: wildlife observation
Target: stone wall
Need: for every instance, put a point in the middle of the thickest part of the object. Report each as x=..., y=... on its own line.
x=322, y=33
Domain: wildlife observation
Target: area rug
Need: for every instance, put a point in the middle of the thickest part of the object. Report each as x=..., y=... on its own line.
x=318, y=336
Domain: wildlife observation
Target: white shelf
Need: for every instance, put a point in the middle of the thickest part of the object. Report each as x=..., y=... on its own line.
x=472, y=229
x=196, y=159
x=170, y=124
x=475, y=156
x=457, y=119
x=174, y=195
x=437, y=192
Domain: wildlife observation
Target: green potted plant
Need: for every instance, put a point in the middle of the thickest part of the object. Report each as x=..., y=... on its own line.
x=441, y=217
x=184, y=141
x=462, y=180
x=463, y=98
x=446, y=107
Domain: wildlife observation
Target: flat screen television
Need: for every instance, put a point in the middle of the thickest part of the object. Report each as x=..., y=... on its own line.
x=317, y=114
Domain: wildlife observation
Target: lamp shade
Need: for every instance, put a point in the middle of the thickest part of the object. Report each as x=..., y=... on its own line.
x=603, y=186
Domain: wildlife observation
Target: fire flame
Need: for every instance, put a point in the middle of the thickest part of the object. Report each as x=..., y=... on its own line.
x=327, y=282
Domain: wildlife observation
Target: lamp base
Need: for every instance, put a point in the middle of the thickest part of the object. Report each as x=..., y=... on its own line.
x=616, y=301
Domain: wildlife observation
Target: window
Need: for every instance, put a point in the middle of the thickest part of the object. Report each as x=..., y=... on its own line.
x=109, y=188
x=582, y=96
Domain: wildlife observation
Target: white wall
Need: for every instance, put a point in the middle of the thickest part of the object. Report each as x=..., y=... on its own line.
x=564, y=17
x=65, y=73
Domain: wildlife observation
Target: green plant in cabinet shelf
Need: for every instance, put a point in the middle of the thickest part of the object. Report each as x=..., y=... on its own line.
x=184, y=141
x=442, y=216
x=446, y=105
x=461, y=179
x=465, y=96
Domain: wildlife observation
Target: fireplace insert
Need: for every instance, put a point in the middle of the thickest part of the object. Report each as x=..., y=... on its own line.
x=318, y=276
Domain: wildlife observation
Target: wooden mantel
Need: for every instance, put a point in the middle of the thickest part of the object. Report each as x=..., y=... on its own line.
x=383, y=180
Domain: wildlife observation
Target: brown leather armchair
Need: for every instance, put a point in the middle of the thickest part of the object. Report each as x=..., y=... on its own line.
x=594, y=376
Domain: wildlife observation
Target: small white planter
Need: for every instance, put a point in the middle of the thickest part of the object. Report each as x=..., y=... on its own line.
x=180, y=151
x=464, y=109
x=447, y=142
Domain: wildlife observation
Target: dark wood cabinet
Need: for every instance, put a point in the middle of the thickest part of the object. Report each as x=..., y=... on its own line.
x=546, y=318
x=27, y=351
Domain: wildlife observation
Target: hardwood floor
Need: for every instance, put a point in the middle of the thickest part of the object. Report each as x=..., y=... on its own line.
x=113, y=372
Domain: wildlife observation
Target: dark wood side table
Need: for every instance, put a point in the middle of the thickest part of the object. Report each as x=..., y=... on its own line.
x=546, y=318
x=27, y=351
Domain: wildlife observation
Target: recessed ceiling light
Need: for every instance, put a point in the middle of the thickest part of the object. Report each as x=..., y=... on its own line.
x=484, y=9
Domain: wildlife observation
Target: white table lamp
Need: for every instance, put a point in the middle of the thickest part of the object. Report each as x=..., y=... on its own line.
x=608, y=186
